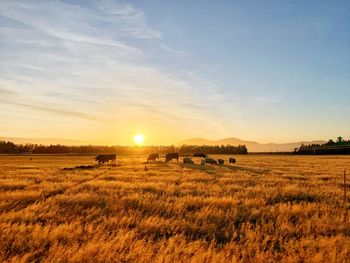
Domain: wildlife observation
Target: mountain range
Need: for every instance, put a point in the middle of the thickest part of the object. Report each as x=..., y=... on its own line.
x=251, y=145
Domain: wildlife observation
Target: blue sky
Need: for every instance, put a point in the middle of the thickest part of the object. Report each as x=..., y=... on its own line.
x=271, y=71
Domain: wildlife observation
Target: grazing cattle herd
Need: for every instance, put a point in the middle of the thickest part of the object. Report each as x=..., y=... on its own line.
x=152, y=158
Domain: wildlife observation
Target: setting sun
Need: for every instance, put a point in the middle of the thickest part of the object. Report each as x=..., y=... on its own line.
x=138, y=139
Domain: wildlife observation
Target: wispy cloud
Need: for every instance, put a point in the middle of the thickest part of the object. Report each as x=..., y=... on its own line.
x=133, y=19
x=5, y=92
x=53, y=110
x=98, y=59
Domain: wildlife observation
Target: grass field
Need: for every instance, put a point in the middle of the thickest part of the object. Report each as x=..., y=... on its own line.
x=264, y=209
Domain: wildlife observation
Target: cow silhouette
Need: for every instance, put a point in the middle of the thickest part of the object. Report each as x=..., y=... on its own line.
x=170, y=156
x=105, y=158
x=152, y=157
x=232, y=160
x=210, y=161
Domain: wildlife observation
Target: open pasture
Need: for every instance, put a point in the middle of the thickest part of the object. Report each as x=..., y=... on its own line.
x=266, y=208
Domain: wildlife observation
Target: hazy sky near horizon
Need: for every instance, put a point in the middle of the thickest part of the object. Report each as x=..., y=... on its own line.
x=101, y=71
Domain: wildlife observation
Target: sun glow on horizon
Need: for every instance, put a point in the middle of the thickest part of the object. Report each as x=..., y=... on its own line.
x=139, y=138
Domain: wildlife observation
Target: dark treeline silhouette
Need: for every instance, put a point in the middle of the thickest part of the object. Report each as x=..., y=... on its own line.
x=11, y=148
x=340, y=146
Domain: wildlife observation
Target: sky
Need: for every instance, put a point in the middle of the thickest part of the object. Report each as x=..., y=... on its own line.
x=102, y=71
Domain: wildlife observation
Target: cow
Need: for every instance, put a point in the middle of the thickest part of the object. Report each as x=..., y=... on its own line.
x=210, y=161
x=105, y=158
x=232, y=160
x=170, y=156
x=201, y=155
x=187, y=160
x=221, y=161
x=152, y=157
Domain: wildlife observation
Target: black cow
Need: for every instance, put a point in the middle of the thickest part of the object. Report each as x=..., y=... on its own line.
x=210, y=161
x=170, y=156
x=221, y=161
x=232, y=160
x=201, y=155
x=152, y=157
x=105, y=158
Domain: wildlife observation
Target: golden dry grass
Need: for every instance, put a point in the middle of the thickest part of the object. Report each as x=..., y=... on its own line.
x=264, y=209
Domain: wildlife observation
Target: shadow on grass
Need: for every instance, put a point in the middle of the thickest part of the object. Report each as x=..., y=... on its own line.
x=88, y=167
x=212, y=169
x=292, y=198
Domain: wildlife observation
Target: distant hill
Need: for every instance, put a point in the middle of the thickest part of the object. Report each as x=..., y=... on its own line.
x=251, y=145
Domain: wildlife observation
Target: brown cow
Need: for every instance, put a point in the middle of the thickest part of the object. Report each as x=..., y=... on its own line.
x=105, y=158
x=210, y=161
x=170, y=156
x=152, y=157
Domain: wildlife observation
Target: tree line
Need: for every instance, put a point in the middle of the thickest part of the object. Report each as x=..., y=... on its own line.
x=12, y=148
x=340, y=146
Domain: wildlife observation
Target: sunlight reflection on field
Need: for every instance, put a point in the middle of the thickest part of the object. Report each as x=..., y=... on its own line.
x=286, y=208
